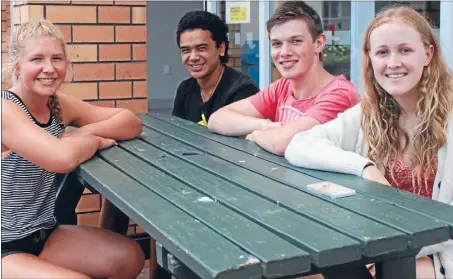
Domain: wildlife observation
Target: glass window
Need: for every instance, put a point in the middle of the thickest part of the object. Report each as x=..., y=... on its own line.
x=337, y=28
x=244, y=41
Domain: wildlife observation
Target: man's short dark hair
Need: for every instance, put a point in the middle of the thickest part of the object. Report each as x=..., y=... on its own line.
x=290, y=10
x=205, y=21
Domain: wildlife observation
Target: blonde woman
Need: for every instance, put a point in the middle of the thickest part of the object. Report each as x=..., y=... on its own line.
x=399, y=134
x=34, y=150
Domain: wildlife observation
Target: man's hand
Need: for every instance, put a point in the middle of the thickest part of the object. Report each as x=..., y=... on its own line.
x=252, y=136
x=372, y=173
x=268, y=124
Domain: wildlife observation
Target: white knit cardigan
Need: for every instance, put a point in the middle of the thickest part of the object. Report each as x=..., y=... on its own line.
x=339, y=146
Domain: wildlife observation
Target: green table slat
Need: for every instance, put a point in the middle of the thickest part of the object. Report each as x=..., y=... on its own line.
x=184, y=235
x=275, y=253
x=327, y=247
x=423, y=231
x=439, y=211
x=376, y=237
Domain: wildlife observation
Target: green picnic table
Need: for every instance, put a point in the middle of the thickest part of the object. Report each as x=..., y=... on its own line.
x=221, y=207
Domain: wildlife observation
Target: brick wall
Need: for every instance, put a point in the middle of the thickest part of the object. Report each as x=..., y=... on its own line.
x=106, y=42
x=5, y=30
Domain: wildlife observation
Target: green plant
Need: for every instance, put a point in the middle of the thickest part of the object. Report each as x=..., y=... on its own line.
x=337, y=51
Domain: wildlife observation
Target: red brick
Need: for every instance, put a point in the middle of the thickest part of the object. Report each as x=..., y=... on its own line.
x=88, y=219
x=147, y=263
x=115, y=90
x=92, y=33
x=16, y=15
x=140, y=89
x=139, y=229
x=139, y=15
x=89, y=203
x=28, y=12
x=130, y=2
x=131, y=70
x=82, y=53
x=116, y=52
x=82, y=90
x=66, y=31
x=92, y=2
x=71, y=14
x=100, y=71
x=137, y=106
x=139, y=51
x=46, y=1
x=114, y=15
x=4, y=47
x=131, y=34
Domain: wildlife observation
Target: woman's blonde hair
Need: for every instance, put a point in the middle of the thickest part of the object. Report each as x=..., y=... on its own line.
x=380, y=111
x=18, y=41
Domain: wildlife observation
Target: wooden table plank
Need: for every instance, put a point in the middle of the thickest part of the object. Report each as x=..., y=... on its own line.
x=377, y=238
x=327, y=247
x=421, y=231
x=184, y=236
x=439, y=211
x=275, y=253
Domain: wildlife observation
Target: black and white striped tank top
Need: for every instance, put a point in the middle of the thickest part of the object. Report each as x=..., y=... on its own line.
x=28, y=191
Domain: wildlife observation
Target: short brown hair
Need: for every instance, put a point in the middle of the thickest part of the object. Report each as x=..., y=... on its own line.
x=290, y=10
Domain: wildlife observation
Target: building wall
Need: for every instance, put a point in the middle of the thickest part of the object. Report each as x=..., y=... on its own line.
x=106, y=42
x=163, y=50
x=5, y=30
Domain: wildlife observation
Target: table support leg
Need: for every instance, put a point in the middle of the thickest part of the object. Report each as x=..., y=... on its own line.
x=403, y=268
x=112, y=218
x=153, y=260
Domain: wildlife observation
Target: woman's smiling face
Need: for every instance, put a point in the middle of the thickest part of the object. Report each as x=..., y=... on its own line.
x=398, y=57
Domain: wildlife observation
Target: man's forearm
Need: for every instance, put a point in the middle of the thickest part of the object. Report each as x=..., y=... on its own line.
x=230, y=123
x=274, y=140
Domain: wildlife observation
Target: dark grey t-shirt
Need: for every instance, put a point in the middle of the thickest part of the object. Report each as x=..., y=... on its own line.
x=232, y=87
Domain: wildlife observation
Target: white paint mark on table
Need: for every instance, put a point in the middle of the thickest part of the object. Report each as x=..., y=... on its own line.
x=205, y=199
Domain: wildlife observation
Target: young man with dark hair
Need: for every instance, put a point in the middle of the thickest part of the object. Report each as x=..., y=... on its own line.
x=305, y=96
x=202, y=39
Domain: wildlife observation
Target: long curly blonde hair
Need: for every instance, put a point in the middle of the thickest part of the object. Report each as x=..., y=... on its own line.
x=20, y=36
x=380, y=111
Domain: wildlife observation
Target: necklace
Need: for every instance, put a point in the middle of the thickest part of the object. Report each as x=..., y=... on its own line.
x=204, y=97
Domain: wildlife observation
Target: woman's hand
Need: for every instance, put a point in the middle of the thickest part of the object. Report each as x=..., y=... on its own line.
x=372, y=173
x=106, y=143
x=103, y=142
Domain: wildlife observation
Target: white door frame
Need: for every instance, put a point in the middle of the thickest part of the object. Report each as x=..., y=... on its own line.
x=265, y=73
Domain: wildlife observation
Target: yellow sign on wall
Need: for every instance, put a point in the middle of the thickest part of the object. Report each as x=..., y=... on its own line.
x=237, y=12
